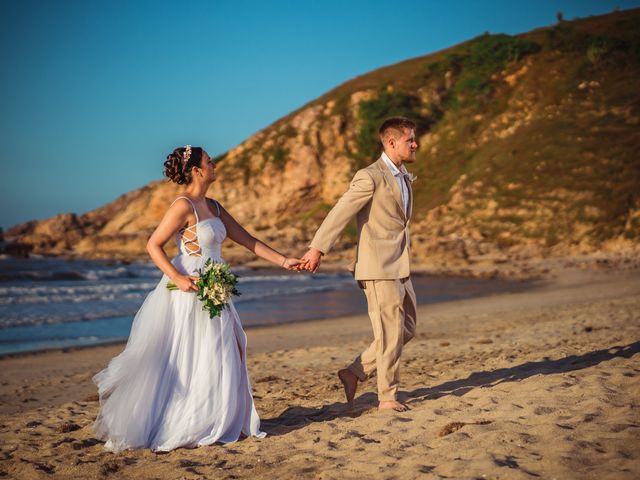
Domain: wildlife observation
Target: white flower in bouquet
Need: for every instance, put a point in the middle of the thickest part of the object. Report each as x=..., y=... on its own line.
x=216, y=284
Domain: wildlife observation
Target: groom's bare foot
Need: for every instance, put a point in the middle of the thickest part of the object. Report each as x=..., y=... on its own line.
x=350, y=384
x=393, y=405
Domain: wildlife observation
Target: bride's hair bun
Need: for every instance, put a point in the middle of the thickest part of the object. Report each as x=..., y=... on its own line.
x=175, y=167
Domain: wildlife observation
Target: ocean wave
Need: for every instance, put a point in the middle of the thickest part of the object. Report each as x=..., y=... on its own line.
x=294, y=278
x=119, y=272
x=94, y=306
x=40, y=276
x=74, y=293
x=55, y=318
x=86, y=291
x=139, y=271
x=273, y=278
x=258, y=286
x=265, y=293
x=52, y=338
x=42, y=272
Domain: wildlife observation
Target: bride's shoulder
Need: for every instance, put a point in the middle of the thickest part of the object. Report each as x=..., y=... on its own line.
x=181, y=204
x=217, y=205
x=212, y=201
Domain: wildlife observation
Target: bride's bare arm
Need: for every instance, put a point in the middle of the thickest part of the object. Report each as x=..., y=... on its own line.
x=238, y=234
x=175, y=217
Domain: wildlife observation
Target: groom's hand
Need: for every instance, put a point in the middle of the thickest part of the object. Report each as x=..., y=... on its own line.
x=312, y=257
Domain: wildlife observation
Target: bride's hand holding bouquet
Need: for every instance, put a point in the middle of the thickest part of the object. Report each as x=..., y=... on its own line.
x=186, y=283
x=214, y=286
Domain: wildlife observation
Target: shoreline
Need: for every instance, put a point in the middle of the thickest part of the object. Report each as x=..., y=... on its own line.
x=545, y=282
x=27, y=338
x=504, y=264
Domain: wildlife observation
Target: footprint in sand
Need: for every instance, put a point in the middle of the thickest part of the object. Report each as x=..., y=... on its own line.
x=590, y=417
x=69, y=427
x=64, y=440
x=89, y=442
x=625, y=454
x=43, y=467
x=566, y=426
x=361, y=436
x=400, y=419
x=543, y=410
x=527, y=438
x=108, y=468
x=619, y=427
x=189, y=466
x=511, y=462
x=451, y=427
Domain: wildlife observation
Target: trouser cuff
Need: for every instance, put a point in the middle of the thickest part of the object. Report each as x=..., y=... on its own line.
x=387, y=397
x=358, y=372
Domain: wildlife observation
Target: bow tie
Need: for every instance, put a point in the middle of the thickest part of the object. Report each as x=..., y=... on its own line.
x=409, y=176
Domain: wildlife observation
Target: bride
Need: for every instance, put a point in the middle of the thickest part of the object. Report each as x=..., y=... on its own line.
x=182, y=379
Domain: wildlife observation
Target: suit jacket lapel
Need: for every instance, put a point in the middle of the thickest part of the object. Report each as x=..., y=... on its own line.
x=393, y=185
x=410, y=198
x=410, y=190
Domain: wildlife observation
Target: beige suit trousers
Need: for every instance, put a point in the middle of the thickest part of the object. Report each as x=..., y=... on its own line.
x=392, y=310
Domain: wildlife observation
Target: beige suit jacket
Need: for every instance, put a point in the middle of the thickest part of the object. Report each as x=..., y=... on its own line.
x=383, y=227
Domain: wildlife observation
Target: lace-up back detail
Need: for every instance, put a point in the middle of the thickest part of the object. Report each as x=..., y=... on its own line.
x=189, y=237
x=203, y=237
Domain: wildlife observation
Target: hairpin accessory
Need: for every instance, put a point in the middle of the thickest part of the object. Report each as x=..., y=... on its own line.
x=187, y=153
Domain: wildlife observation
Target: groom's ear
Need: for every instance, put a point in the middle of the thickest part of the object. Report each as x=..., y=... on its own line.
x=391, y=141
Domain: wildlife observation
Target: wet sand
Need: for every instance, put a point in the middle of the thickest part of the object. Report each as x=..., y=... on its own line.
x=537, y=384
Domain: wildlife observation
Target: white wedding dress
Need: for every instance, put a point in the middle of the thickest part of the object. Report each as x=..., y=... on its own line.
x=182, y=379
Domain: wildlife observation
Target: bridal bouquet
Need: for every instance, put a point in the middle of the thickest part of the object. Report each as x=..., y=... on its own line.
x=215, y=285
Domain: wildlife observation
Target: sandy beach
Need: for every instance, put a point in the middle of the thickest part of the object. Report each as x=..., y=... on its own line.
x=537, y=384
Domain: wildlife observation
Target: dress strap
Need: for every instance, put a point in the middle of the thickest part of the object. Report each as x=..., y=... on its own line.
x=215, y=202
x=192, y=206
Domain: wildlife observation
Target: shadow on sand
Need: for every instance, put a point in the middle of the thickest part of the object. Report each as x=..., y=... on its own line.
x=294, y=418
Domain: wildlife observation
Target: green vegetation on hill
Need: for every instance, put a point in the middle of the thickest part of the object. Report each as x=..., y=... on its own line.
x=481, y=58
x=571, y=170
x=567, y=167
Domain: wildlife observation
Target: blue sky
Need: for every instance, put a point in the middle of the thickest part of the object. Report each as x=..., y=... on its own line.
x=95, y=94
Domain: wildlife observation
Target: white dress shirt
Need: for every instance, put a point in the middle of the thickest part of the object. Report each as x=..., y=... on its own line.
x=399, y=174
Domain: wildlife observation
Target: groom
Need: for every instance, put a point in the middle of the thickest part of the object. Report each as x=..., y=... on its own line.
x=380, y=197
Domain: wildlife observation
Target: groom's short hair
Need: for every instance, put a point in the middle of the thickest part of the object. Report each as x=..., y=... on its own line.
x=394, y=126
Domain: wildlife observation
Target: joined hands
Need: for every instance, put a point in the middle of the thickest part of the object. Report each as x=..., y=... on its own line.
x=295, y=264
x=311, y=260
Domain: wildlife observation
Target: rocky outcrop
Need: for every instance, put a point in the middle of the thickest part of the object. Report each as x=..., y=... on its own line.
x=527, y=148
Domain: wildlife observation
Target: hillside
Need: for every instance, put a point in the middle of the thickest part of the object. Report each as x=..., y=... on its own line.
x=528, y=147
